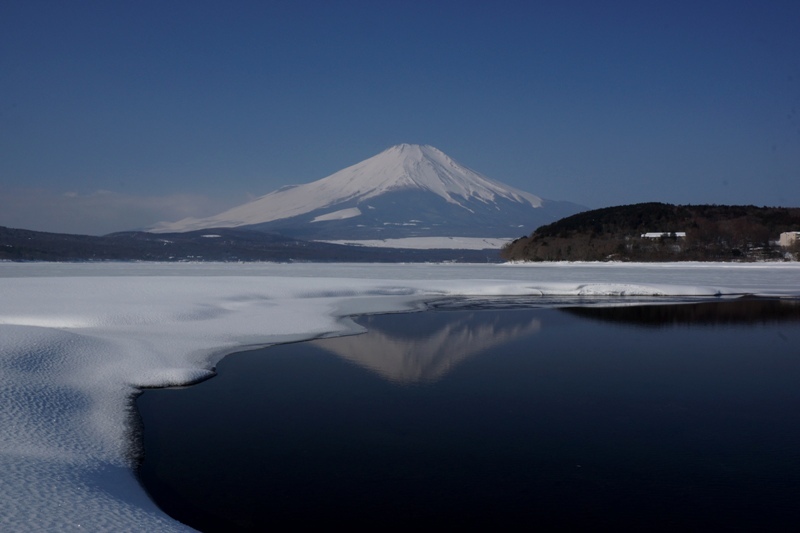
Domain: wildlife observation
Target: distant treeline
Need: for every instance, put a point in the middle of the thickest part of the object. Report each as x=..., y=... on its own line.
x=689, y=233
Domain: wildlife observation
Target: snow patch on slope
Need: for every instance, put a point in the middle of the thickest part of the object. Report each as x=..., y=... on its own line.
x=342, y=214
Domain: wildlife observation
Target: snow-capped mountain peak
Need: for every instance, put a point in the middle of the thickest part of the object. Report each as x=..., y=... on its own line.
x=401, y=180
x=413, y=166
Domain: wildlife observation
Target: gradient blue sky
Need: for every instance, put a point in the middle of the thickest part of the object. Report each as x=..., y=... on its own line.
x=115, y=115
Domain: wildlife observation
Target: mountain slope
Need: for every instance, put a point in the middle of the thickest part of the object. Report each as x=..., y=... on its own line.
x=407, y=190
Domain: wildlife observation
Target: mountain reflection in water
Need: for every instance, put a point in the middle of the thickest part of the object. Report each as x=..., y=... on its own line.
x=425, y=354
x=556, y=419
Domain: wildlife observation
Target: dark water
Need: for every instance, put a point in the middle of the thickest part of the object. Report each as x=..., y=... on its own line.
x=657, y=418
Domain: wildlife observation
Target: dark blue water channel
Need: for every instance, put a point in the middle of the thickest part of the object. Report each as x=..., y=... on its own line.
x=646, y=417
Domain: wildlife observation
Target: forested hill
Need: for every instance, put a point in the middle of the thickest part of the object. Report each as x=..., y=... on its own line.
x=712, y=233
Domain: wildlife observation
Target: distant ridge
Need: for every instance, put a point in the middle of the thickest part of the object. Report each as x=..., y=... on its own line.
x=407, y=190
x=220, y=244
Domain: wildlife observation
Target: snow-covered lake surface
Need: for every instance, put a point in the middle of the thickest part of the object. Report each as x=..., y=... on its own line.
x=77, y=341
x=429, y=243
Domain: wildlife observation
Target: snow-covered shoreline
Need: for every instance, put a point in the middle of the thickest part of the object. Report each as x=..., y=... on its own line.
x=78, y=340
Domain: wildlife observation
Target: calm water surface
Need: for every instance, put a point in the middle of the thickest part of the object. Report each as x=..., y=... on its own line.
x=656, y=417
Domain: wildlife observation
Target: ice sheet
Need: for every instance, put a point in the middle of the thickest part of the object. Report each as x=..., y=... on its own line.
x=78, y=340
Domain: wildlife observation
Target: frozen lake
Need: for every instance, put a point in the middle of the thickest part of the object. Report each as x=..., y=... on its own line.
x=78, y=341
x=656, y=417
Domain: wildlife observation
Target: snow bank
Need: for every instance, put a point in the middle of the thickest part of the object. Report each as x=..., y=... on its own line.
x=78, y=340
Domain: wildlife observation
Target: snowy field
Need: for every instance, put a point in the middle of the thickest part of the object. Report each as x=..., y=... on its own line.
x=78, y=340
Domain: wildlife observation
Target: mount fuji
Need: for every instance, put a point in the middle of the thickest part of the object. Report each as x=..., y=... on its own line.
x=407, y=191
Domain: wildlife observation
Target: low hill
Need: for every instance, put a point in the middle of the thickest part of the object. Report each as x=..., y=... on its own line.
x=677, y=233
x=219, y=244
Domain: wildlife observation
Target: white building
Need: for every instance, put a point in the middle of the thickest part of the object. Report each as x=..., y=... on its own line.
x=659, y=234
x=789, y=238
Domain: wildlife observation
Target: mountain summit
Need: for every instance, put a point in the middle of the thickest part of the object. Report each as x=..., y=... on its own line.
x=408, y=190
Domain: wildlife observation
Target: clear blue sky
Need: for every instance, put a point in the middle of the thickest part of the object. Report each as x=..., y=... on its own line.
x=115, y=115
